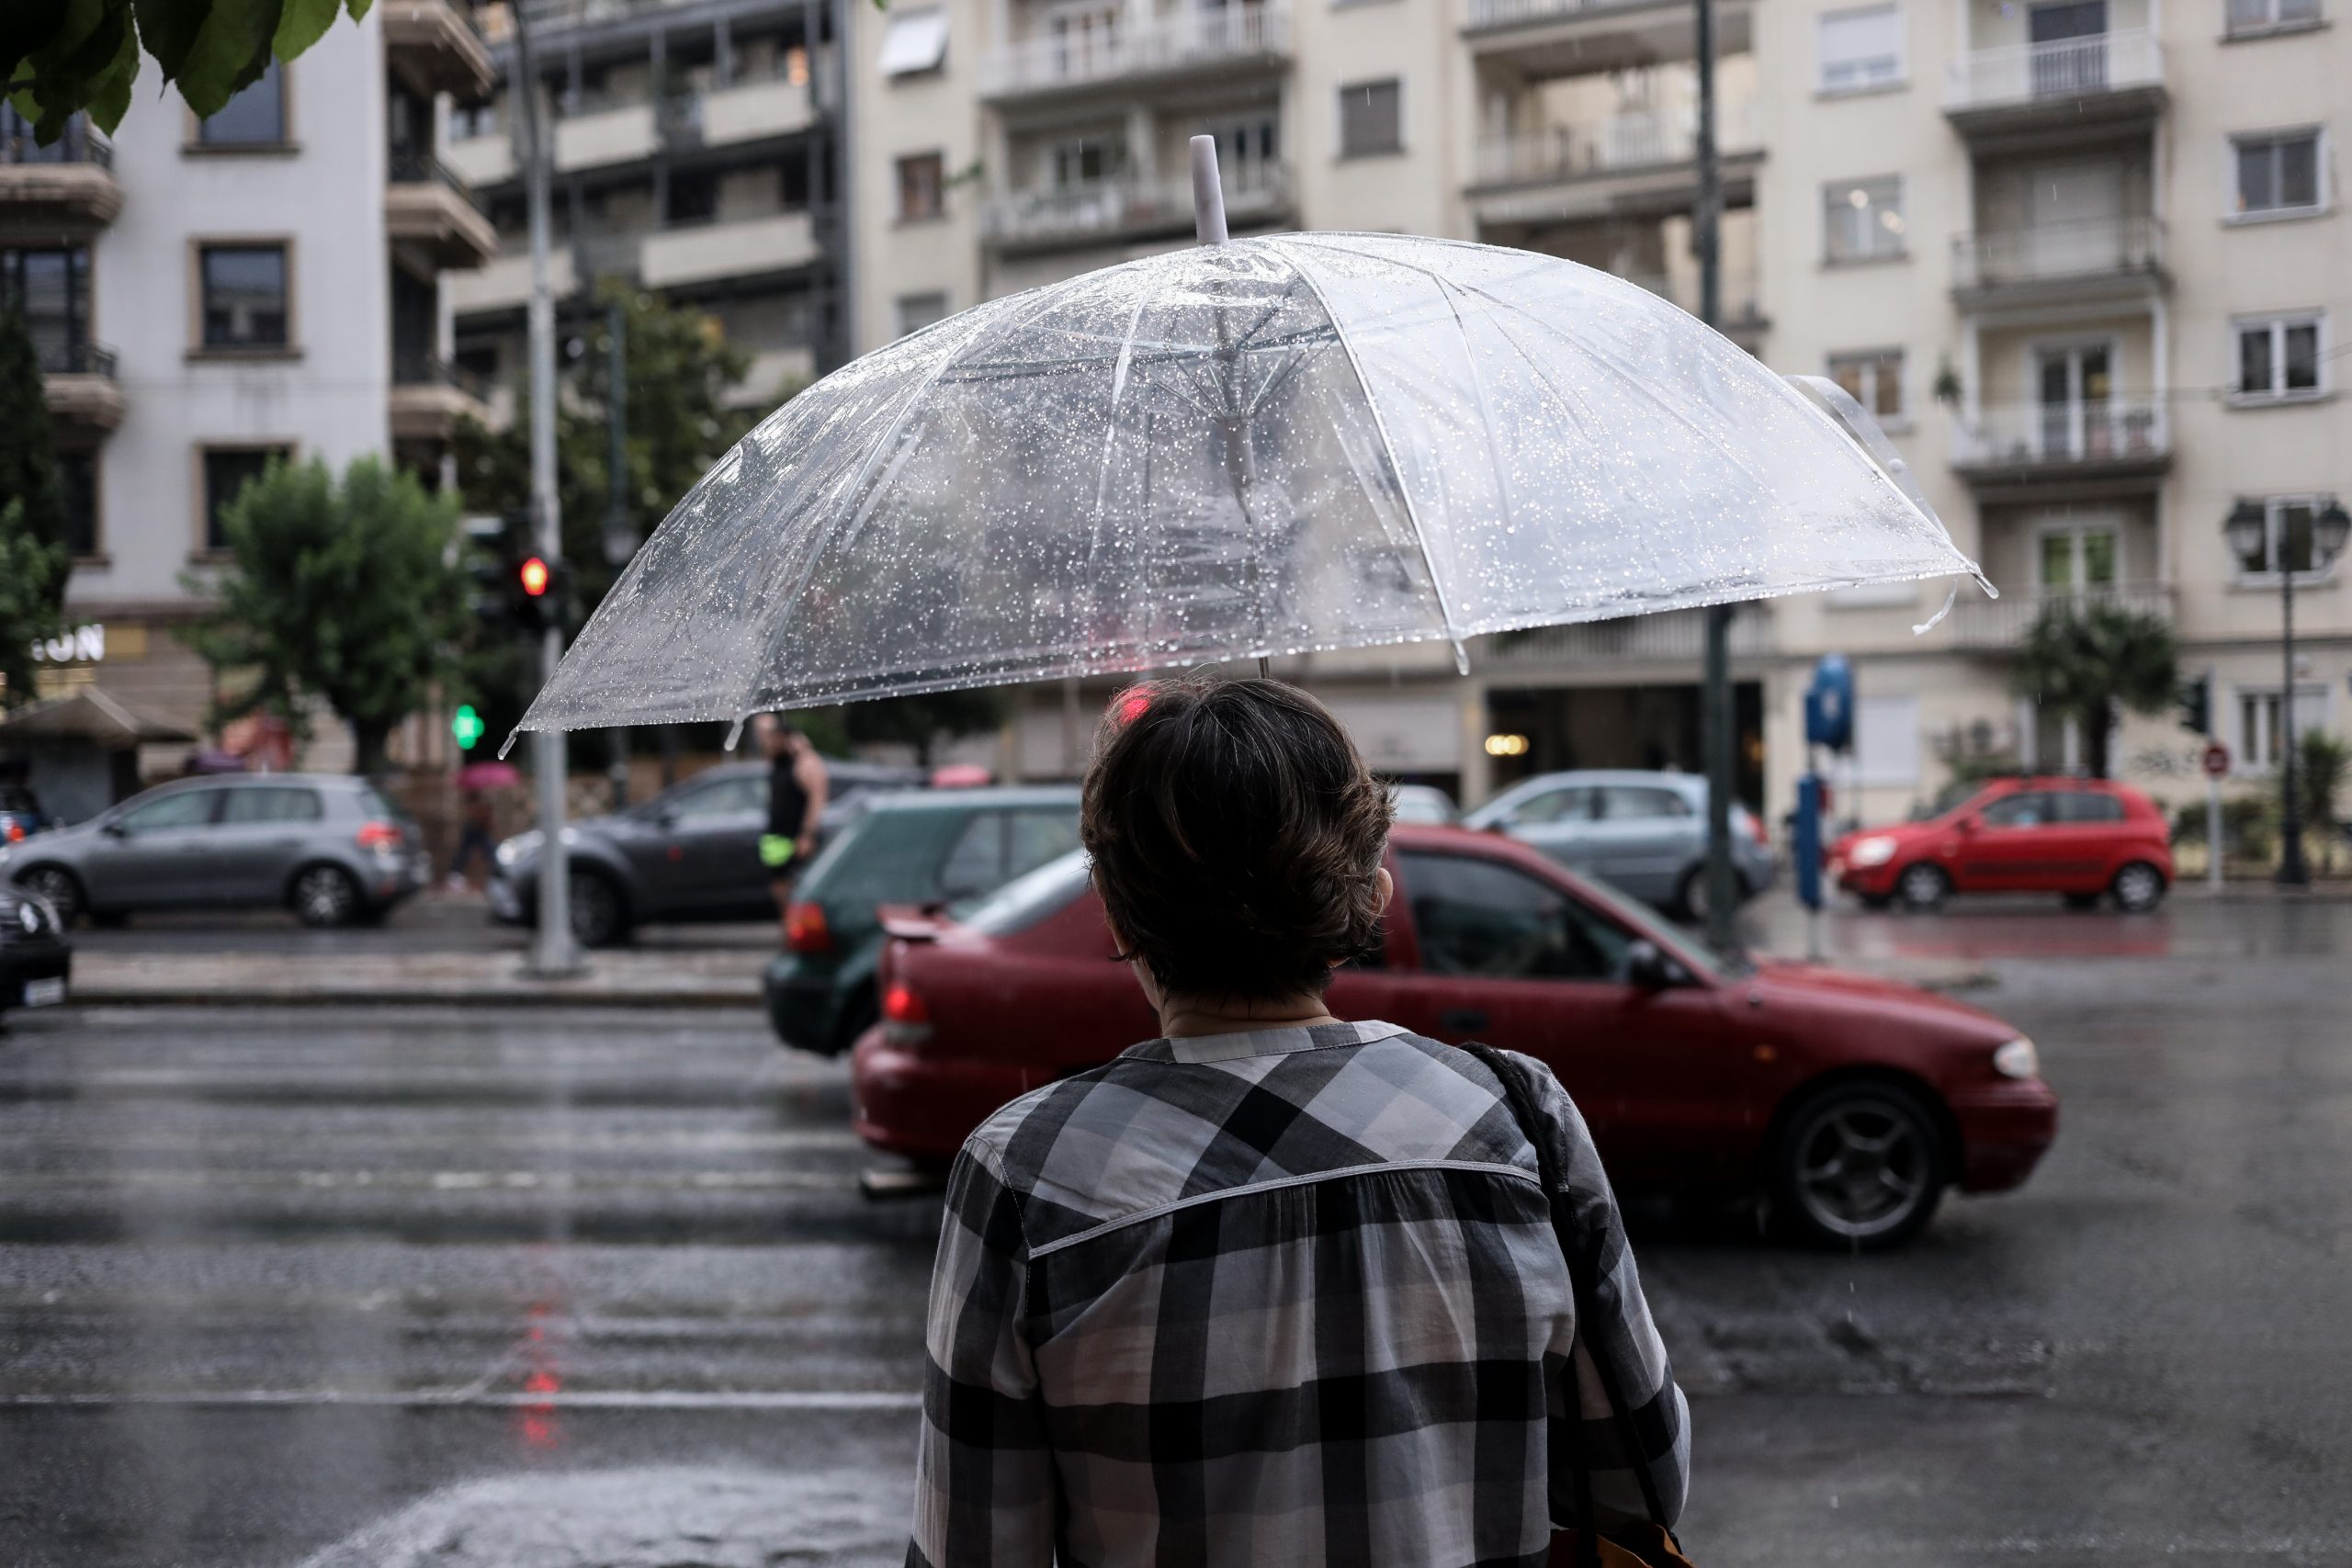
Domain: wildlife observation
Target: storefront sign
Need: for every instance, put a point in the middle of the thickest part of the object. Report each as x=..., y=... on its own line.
x=83, y=644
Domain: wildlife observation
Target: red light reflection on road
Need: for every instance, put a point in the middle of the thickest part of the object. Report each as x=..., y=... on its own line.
x=541, y=1384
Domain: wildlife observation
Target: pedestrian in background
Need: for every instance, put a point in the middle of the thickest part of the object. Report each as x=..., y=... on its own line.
x=475, y=815
x=796, y=788
x=1276, y=1287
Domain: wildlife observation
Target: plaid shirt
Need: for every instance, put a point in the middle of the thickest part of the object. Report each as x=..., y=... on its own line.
x=1290, y=1296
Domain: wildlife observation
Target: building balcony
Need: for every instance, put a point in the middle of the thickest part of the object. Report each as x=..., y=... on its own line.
x=744, y=111
x=711, y=249
x=1993, y=625
x=64, y=190
x=504, y=283
x=432, y=46
x=773, y=373
x=597, y=132
x=2076, y=83
x=1562, y=37
x=2117, y=447
x=1623, y=164
x=1219, y=43
x=428, y=209
x=2058, y=263
x=85, y=398
x=430, y=396
x=1668, y=637
x=1105, y=211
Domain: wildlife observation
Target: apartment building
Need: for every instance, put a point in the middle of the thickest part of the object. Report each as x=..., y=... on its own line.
x=2081, y=258
x=696, y=152
x=207, y=295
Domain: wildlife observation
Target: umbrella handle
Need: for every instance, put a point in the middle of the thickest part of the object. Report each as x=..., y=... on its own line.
x=1208, y=194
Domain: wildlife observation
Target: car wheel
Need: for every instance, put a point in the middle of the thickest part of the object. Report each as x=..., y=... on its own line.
x=598, y=917
x=60, y=887
x=1861, y=1166
x=2082, y=901
x=1922, y=886
x=325, y=896
x=1691, y=894
x=2138, y=887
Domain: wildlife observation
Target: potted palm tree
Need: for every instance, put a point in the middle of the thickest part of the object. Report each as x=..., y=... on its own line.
x=2085, y=660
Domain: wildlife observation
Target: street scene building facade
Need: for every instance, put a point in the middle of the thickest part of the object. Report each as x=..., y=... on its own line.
x=205, y=296
x=2080, y=258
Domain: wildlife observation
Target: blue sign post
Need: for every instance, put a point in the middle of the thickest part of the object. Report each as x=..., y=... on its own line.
x=1828, y=723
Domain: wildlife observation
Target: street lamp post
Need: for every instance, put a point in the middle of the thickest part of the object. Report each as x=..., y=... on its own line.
x=2248, y=533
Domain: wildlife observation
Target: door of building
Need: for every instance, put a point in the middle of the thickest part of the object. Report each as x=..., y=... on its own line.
x=2074, y=386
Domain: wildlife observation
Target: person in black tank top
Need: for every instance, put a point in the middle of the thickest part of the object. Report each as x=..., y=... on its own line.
x=795, y=801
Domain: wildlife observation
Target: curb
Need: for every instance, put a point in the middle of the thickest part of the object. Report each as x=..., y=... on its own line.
x=103, y=994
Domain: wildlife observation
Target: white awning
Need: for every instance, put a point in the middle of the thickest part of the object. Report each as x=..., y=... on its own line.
x=917, y=40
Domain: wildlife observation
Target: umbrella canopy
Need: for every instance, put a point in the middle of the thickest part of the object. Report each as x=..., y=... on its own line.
x=1278, y=445
x=489, y=776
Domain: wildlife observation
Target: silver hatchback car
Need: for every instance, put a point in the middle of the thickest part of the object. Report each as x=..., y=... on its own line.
x=332, y=848
x=1644, y=832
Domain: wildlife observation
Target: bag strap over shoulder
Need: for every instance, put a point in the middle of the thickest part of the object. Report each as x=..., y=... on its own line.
x=1547, y=1164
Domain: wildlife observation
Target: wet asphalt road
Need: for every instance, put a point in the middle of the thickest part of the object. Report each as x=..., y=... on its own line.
x=399, y=1286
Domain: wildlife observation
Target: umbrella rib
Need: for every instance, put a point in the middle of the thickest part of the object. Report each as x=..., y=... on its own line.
x=1388, y=445
x=1102, y=475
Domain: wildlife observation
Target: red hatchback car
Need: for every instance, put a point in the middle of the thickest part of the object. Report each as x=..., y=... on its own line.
x=2087, y=839
x=1854, y=1102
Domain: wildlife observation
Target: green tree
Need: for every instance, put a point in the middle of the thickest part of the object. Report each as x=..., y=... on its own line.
x=2321, y=762
x=343, y=593
x=60, y=58
x=2083, y=661
x=27, y=440
x=32, y=573
x=922, y=722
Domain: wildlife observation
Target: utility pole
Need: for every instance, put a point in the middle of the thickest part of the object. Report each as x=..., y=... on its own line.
x=553, y=952
x=1715, y=736
x=620, y=537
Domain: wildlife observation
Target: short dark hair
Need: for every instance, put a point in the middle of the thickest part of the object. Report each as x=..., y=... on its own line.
x=1236, y=836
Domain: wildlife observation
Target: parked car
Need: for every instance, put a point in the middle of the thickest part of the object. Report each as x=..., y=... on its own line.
x=928, y=847
x=1423, y=803
x=20, y=813
x=332, y=848
x=1854, y=1102
x=1645, y=833
x=36, y=960
x=2083, y=839
x=689, y=854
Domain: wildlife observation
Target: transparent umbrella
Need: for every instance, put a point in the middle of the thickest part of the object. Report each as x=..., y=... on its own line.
x=1292, y=443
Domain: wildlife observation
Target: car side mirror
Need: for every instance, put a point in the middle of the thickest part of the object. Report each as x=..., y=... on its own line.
x=1649, y=968
x=115, y=830
x=1970, y=824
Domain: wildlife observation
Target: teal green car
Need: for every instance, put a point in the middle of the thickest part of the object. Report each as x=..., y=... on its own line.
x=923, y=849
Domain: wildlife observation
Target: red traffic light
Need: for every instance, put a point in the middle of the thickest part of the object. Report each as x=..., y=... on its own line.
x=534, y=573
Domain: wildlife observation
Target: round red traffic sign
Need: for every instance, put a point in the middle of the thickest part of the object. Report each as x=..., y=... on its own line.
x=2217, y=760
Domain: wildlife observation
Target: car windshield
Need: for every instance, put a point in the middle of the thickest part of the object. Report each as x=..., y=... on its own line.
x=1625, y=910
x=1025, y=900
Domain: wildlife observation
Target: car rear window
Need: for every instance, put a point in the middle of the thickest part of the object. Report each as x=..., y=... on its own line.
x=271, y=802
x=1025, y=900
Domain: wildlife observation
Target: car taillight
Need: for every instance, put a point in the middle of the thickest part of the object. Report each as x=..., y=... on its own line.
x=805, y=929
x=905, y=1020
x=1756, y=831
x=380, y=837
x=12, y=831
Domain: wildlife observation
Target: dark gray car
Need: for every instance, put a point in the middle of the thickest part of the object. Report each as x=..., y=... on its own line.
x=690, y=853
x=330, y=847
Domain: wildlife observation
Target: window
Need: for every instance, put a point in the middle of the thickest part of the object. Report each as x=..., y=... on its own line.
x=1863, y=219
x=923, y=187
x=974, y=862
x=2260, y=736
x=2279, y=358
x=51, y=289
x=1859, y=50
x=2287, y=537
x=228, y=470
x=1555, y=805
x=693, y=197
x=2086, y=805
x=1372, y=118
x=2264, y=15
x=1038, y=836
x=2276, y=174
x=244, y=296
x=1475, y=917
x=1085, y=161
x=254, y=118
x=268, y=802
x=1886, y=740
x=2074, y=559
x=915, y=40
x=187, y=808
x=1873, y=380
x=917, y=311
x=1640, y=803
x=737, y=797
x=77, y=477
x=2026, y=809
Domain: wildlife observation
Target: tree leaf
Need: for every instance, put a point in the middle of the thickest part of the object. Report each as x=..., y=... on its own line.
x=168, y=29
x=358, y=8
x=230, y=53
x=301, y=24
x=110, y=97
x=24, y=27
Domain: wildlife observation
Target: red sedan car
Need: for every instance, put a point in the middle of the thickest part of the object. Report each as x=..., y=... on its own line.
x=1854, y=1102
x=2086, y=839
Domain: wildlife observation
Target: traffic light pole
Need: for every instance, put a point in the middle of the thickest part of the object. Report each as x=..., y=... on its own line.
x=1716, y=738
x=620, y=539
x=553, y=952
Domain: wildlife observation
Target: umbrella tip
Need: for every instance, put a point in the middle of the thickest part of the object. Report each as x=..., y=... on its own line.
x=733, y=735
x=1208, y=194
x=508, y=744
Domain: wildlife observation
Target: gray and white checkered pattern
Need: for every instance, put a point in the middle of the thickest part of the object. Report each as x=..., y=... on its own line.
x=1289, y=1297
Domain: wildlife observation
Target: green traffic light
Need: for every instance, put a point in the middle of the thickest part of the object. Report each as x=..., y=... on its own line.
x=467, y=725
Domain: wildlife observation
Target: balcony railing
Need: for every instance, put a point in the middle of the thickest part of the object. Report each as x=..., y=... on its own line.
x=409, y=165
x=2048, y=252
x=2063, y=435
x=1510, y=13
x=2069, y=68
x=73, y=356
x=79, y=144
x=1667, y=638
x=1102, y=208
x=1226, y=34
x=1979, y=622
x=411, y=369
x=1650, y=139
